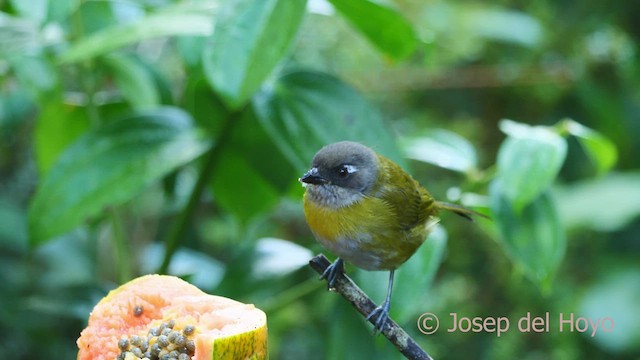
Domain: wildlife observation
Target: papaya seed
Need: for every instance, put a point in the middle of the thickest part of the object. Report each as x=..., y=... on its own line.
x=191, y=346
x=137, y=352
x=180, y=340
x=189, y=330
x=172, y=336
x=163, y=341
x=154, y=331
x=123, y=344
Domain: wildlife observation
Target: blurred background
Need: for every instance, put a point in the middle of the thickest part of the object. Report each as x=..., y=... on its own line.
x=167, y=136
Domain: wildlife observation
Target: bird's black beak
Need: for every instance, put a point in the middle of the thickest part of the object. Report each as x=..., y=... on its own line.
x=313, y=177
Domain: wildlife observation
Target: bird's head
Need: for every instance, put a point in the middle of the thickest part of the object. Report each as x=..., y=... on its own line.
x=341, y=174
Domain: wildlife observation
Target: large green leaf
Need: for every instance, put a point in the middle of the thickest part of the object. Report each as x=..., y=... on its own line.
x=249, y=39
x=605, y=204
x=35, y=10
x=152, y=26
x=278, y=257
x=194, y=266
x=231, y=187
x=93, y=16
x=15, y=105
x=442, y=148
x=304, y=111
x=600, y=150
x=58, y=126
x=59, y=10
x=528, y=161
x=613, y=295
x=385, y=28
x=493, y=22
x=109, y=166
x=266, y=172
x=134, y=81
x=18, y=36
x=534, y=236
x=13, y=227
x=35, y=73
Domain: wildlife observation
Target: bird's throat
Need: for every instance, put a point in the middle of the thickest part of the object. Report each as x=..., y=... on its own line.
x=332, y=196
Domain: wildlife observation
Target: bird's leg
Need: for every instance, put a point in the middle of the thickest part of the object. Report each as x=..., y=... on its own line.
x=381, y=313
x=332, y=272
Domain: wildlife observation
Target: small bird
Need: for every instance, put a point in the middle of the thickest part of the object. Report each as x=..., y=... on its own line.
x=368, y=211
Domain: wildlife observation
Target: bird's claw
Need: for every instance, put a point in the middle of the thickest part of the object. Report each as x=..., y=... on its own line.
x=380, y=316
x=332, y=272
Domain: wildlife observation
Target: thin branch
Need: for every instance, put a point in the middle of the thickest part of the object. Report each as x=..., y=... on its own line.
x=354, y=295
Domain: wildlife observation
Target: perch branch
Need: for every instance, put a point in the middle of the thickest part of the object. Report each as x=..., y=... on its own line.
x=354, y=295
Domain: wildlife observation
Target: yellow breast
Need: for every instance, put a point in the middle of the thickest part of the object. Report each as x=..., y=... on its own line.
x=366, y=233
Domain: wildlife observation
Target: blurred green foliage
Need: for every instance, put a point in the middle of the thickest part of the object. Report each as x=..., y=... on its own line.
x=167, y=136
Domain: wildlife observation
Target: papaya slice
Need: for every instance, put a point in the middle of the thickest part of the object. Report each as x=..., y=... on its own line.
x=158, y=317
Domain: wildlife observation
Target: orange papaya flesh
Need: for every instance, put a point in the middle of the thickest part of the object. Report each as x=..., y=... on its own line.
x=163, y=317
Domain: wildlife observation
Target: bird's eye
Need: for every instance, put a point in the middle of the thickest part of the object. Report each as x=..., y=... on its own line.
x=345, y=170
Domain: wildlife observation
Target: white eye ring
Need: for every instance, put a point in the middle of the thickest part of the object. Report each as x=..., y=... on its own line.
x=347, y=170
x=351, y=169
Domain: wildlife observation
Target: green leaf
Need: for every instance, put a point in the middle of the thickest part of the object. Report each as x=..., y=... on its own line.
x=196, y=267
x=13, y=227
x=600, y=150
x=67, y=260
x=442, y=148
x=304, y=111
x=207, y=109
x=109, y=166
x=35, y=73
x=35, y=10
x=277, y=257
x=528, y=161
x=93, y=16
x=241, y=167
x=152, y=26
x=614, y=295
x=352, y=331
x=534, y=237
x=231, y=187
x=59, y=10
x=249, y=39
x=58, y=126
x=605, y=204
x=16, y=105
x=385, y=28
x=134, y=81
x=191, y=48
x=18, y=36
x=496, y=23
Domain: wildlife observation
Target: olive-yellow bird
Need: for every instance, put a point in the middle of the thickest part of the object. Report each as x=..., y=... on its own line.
x=368, y=211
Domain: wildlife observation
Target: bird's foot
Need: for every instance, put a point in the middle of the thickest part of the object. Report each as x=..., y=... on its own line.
x=380, y=316
x=332, y=272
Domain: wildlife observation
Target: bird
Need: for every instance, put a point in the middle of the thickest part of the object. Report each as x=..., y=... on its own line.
x=367, y=210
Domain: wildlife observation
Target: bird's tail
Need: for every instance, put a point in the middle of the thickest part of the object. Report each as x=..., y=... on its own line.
x=460, y=210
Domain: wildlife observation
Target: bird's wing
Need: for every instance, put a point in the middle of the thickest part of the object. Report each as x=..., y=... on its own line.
x=412, y=203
